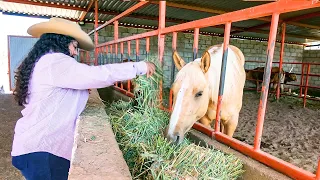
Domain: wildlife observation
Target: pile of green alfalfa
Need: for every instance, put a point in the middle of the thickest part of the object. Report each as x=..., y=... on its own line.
x=139, y=133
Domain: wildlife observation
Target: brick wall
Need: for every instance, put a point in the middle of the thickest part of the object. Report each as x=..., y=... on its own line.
x=313, y=56
x=252, y=49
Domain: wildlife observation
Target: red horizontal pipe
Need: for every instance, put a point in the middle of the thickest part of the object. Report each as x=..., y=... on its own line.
x=138, y=36
x=203, y=129
x=283, y=62
x=276, y=163
x=282, y=6
x=282, y=94
x=125, y=13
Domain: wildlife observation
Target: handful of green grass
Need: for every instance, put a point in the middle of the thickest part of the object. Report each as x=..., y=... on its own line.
x=139, y=133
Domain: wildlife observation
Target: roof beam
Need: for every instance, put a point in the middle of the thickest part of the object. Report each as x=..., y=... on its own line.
x=252, y=29
x=214, y=11
x=63, y=6
x=123, y=14
x=201, y=9
x=288, y=21
x=84, y=13
x=47, y=4
x=305, y=16
x=171, y=4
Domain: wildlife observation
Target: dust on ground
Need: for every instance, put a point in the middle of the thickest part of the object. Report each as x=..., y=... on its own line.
x=290, y=132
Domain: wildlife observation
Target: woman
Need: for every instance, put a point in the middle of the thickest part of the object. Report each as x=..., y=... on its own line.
x=53, y=87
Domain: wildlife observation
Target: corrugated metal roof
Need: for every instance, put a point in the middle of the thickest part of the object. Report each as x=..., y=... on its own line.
x=38, y=10
x=149, y=14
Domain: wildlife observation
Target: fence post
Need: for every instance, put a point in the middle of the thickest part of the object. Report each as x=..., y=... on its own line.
x=162, y=24
x=223, y=73
x=266, y=81
x=283, y=34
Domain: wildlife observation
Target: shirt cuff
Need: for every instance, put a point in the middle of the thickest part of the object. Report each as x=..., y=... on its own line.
x=141, y=68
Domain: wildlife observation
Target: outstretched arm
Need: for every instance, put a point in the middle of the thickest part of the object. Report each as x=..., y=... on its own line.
x=66, y=72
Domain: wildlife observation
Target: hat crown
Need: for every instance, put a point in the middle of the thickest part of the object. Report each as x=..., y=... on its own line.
x=64, y=27
x=60, y=20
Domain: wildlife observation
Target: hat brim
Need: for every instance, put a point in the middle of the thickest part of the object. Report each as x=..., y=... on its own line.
x=56, y=27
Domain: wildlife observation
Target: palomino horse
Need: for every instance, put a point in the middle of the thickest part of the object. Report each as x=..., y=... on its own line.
x=196, y=87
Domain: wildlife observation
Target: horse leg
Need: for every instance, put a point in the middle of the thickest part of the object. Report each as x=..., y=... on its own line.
x=205, y=120
x=222, y=129
x=231, y=125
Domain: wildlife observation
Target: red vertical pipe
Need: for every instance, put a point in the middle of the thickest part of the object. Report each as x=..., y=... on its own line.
x=137, y=50
x=121, y=51
x=96, y=32
x=121, y=60
x=129, y=50
x=283, y=34
x=116, y=30
x=301, y=79
x=162, y=24
x=318, y=170
x=195, y=43
x=116, y=36
x=174, y=40
x=266, y=80
x=223, y=73
x=107, y=51
x=148, y=44
x=147, y=47
x=129, y=53
x=306, y=86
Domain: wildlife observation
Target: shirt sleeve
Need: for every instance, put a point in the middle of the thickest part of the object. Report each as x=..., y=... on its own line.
x=66, y=72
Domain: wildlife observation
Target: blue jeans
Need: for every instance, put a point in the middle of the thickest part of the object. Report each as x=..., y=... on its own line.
x=42, y=166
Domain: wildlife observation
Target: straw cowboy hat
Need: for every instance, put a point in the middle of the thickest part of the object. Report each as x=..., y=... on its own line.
x=64, y=27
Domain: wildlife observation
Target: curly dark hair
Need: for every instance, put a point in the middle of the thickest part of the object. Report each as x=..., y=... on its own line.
x=47, y=43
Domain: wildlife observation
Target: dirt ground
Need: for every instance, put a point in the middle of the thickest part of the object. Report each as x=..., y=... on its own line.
x=291, y=132
x=9, y=114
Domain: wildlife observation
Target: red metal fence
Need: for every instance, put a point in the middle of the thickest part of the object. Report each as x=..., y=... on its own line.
x=273, y=9
x=304, y=75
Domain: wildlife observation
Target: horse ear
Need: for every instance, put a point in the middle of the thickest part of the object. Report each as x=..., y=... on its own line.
x=205, y=62
x=178, y=61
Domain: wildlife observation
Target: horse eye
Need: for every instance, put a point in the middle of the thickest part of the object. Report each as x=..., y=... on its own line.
x=199, y=94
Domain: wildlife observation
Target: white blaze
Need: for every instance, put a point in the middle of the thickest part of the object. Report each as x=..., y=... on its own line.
x=177, y=108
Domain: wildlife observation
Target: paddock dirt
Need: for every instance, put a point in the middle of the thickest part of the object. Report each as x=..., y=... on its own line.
x=9, y=114
x=291, y=132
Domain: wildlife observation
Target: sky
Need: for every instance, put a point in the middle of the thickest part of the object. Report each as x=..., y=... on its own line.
x=11, y=25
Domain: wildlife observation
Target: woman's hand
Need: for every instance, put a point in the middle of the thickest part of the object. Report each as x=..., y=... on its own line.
x=150, y=69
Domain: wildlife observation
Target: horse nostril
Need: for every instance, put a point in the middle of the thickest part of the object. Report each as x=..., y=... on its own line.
x=177, y=138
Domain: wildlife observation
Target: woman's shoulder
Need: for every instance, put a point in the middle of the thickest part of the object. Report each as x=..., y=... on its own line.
x=54, y=55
